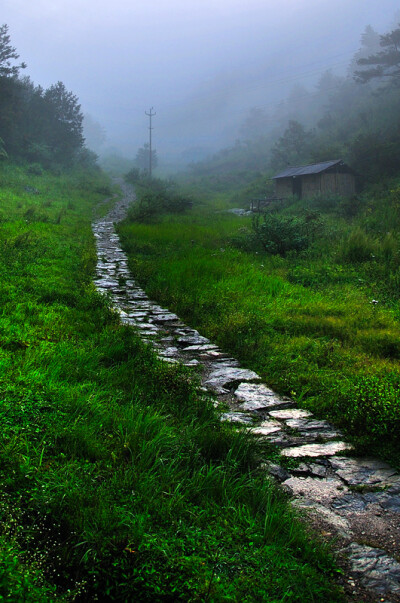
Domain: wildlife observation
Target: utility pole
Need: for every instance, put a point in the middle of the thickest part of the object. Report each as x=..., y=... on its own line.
x=150, y=114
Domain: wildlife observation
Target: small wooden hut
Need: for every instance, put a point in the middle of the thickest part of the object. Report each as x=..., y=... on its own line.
x=326, y=178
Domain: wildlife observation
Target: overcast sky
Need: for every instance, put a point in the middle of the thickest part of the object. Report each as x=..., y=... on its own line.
x=201, y=63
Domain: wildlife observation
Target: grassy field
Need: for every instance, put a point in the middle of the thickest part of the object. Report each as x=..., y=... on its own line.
x=321, y=324
x=118, y=480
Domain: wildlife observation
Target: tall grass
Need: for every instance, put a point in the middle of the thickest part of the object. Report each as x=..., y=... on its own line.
x=119, y=481
x=313, y=324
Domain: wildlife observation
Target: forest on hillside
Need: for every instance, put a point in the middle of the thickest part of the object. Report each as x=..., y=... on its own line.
x=354, y=117
x=41, y=126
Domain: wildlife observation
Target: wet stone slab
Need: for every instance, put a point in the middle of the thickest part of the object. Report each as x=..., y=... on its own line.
x=236, y=417
x=340, y=524
x=257, y=396
x=317, y=489
x=200, y=348
x=194, y=339
x=312, y=469
x=375, y=569
x=266, y=428
x=317, y=450
x=290, y=413
x=166, y=317
x=366, y=471
x=225, y=375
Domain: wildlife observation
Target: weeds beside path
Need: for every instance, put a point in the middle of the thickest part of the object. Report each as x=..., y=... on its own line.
x=119, y=481
x=306, y=323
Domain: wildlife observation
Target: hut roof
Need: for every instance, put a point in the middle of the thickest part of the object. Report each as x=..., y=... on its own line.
x=303, y=170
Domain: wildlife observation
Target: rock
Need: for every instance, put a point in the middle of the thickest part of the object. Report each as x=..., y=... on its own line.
x=389, y=501
x=290, y=413
x=200, y=348
x=340, y=524
x=193, y=339
x=256, y=396
x=169, y=351
x=313, y=429
x=266, y=428
x=311, y=469
x=277, y=471
x=316, y=450
x=147, y=326
x=307, y=425
x=375, y=569
x=138, y=315
x=364, y=472
x=352, y=502
x=236, y=417
x=225, y=375
x=325, y=489
x=106, y=283
x=167, y=317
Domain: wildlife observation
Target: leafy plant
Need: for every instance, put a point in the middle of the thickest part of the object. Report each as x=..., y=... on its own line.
x=281, y=234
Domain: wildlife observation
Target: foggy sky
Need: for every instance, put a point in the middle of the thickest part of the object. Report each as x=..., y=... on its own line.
x=200, y=64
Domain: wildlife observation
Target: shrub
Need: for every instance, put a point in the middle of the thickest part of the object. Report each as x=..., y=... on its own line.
x=157, y=198
x=281, y=234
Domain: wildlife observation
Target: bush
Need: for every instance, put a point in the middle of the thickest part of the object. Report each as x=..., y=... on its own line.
x=281, y=234
x=156, y=198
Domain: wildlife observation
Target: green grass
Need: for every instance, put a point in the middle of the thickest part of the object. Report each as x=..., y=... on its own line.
x=118, y=480
x=305, y=322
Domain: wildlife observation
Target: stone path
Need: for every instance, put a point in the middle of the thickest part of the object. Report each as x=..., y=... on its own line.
x=355, y=500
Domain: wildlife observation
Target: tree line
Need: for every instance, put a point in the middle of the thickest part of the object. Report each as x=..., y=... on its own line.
x=354, y=117
x=38, y=125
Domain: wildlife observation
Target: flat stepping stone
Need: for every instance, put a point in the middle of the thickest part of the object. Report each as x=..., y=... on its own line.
x=170, y=351
x=266, y=428
x=316, y=450
x=129, y=321
x=374, y=568
x=201, y=348
x=313, y=429
x=257, y=396
x=147, y=325
x=365, y=472
x=214, y=354
x=307, y=425
x=312, y=469
x=226, y=375
x=282, y=440
x=236, y=417
x=340, y=524
x=290, y=413
x=194, y=339
x=167, y=317
x=105, y=283
x=317, y=489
